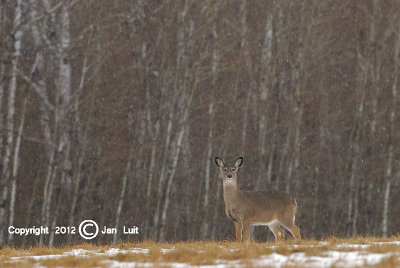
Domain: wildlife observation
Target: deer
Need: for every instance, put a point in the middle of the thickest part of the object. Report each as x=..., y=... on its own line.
x=245, y=208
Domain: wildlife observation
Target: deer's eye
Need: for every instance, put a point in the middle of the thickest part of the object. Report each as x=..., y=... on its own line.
x=225, y=169
x=233, y=169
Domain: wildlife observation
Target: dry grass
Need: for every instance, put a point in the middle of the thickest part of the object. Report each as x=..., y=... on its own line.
x=197, y=253
x=392, y=261
x=73, y=261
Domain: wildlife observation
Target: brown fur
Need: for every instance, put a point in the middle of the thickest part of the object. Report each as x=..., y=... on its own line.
x=272, y=208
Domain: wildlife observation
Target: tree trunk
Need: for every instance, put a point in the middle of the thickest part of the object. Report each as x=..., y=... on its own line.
x=177, y=148
x=60, y=195
x=30, y=205
x=171, y=173
x=15, y=168
x=388, y=184
x=207, y=171
x=265, y=84
x=211, y=114
x=123, y=190
x=166, y=158
x=2, y=68
x=216, y=213
x=84, y=142
x=389, y=163
x=162, y=174
x=315, y=208
x=151, y=175
x=283, y=159
x=5, y=175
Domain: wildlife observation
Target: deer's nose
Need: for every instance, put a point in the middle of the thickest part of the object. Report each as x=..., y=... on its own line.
x=229, y=175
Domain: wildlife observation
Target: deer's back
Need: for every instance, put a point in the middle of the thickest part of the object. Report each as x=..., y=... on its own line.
x=269, y=203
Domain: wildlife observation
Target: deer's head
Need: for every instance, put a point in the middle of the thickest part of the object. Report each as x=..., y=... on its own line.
x=229, y=173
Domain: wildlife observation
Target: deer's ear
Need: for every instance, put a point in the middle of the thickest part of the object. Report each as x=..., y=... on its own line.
x=219, y=162
x=239, y=162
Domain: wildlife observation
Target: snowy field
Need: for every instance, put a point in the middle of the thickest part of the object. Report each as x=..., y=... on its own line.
x=215, y=254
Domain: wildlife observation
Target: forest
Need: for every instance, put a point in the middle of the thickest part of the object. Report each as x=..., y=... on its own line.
x=114, y=111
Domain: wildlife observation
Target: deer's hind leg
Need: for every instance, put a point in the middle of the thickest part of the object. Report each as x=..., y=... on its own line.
x=277, y=231
x=294, y=230
x=288, y=223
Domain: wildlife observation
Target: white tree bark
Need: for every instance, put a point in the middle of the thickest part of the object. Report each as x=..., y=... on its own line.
x=314, y=218
x=388, y=184
x=37, y=65
x=162, y=174
x=123, y=190
x=64, y=96
x=354, y=194
x=299, y=76
x=83, y=139
x=171, y=115
x=389, y=163
x=64, y=61
x=15, y=168
x=272, y=150
x=155, y=138
x=355, y=213
x=177, y=148
x=247, y=62
x=151, y=173
x=283, y=158
x=57, y=207
x=2, y=68
x=63, y=103
x=175, y=157
x=45, y=193
x=5, y=175
x=265, y=84
x=355, y=155
x=217, y=213
x=207, y=171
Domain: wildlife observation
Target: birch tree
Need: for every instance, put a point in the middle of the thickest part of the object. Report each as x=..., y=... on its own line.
x=12, y=88
x=265, y=85
x=211, y=115
x=390, y=157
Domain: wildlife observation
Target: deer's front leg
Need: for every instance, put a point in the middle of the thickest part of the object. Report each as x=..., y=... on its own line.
x=246, y=231
x=238, y=231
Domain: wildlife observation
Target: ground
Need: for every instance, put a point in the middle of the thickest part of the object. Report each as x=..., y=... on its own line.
x=333, y=252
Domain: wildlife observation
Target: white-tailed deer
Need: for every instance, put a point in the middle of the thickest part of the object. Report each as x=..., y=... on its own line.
x=273, y=208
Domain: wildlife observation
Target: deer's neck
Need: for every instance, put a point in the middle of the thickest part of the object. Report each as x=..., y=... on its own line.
x=230, y=191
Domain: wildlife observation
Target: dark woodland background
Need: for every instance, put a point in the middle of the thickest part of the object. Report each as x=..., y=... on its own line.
x=115, y=110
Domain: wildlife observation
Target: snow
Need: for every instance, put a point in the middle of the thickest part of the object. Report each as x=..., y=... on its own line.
x=339, y=255
x=387, y=243
x=115, y=251
x=327, y=259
